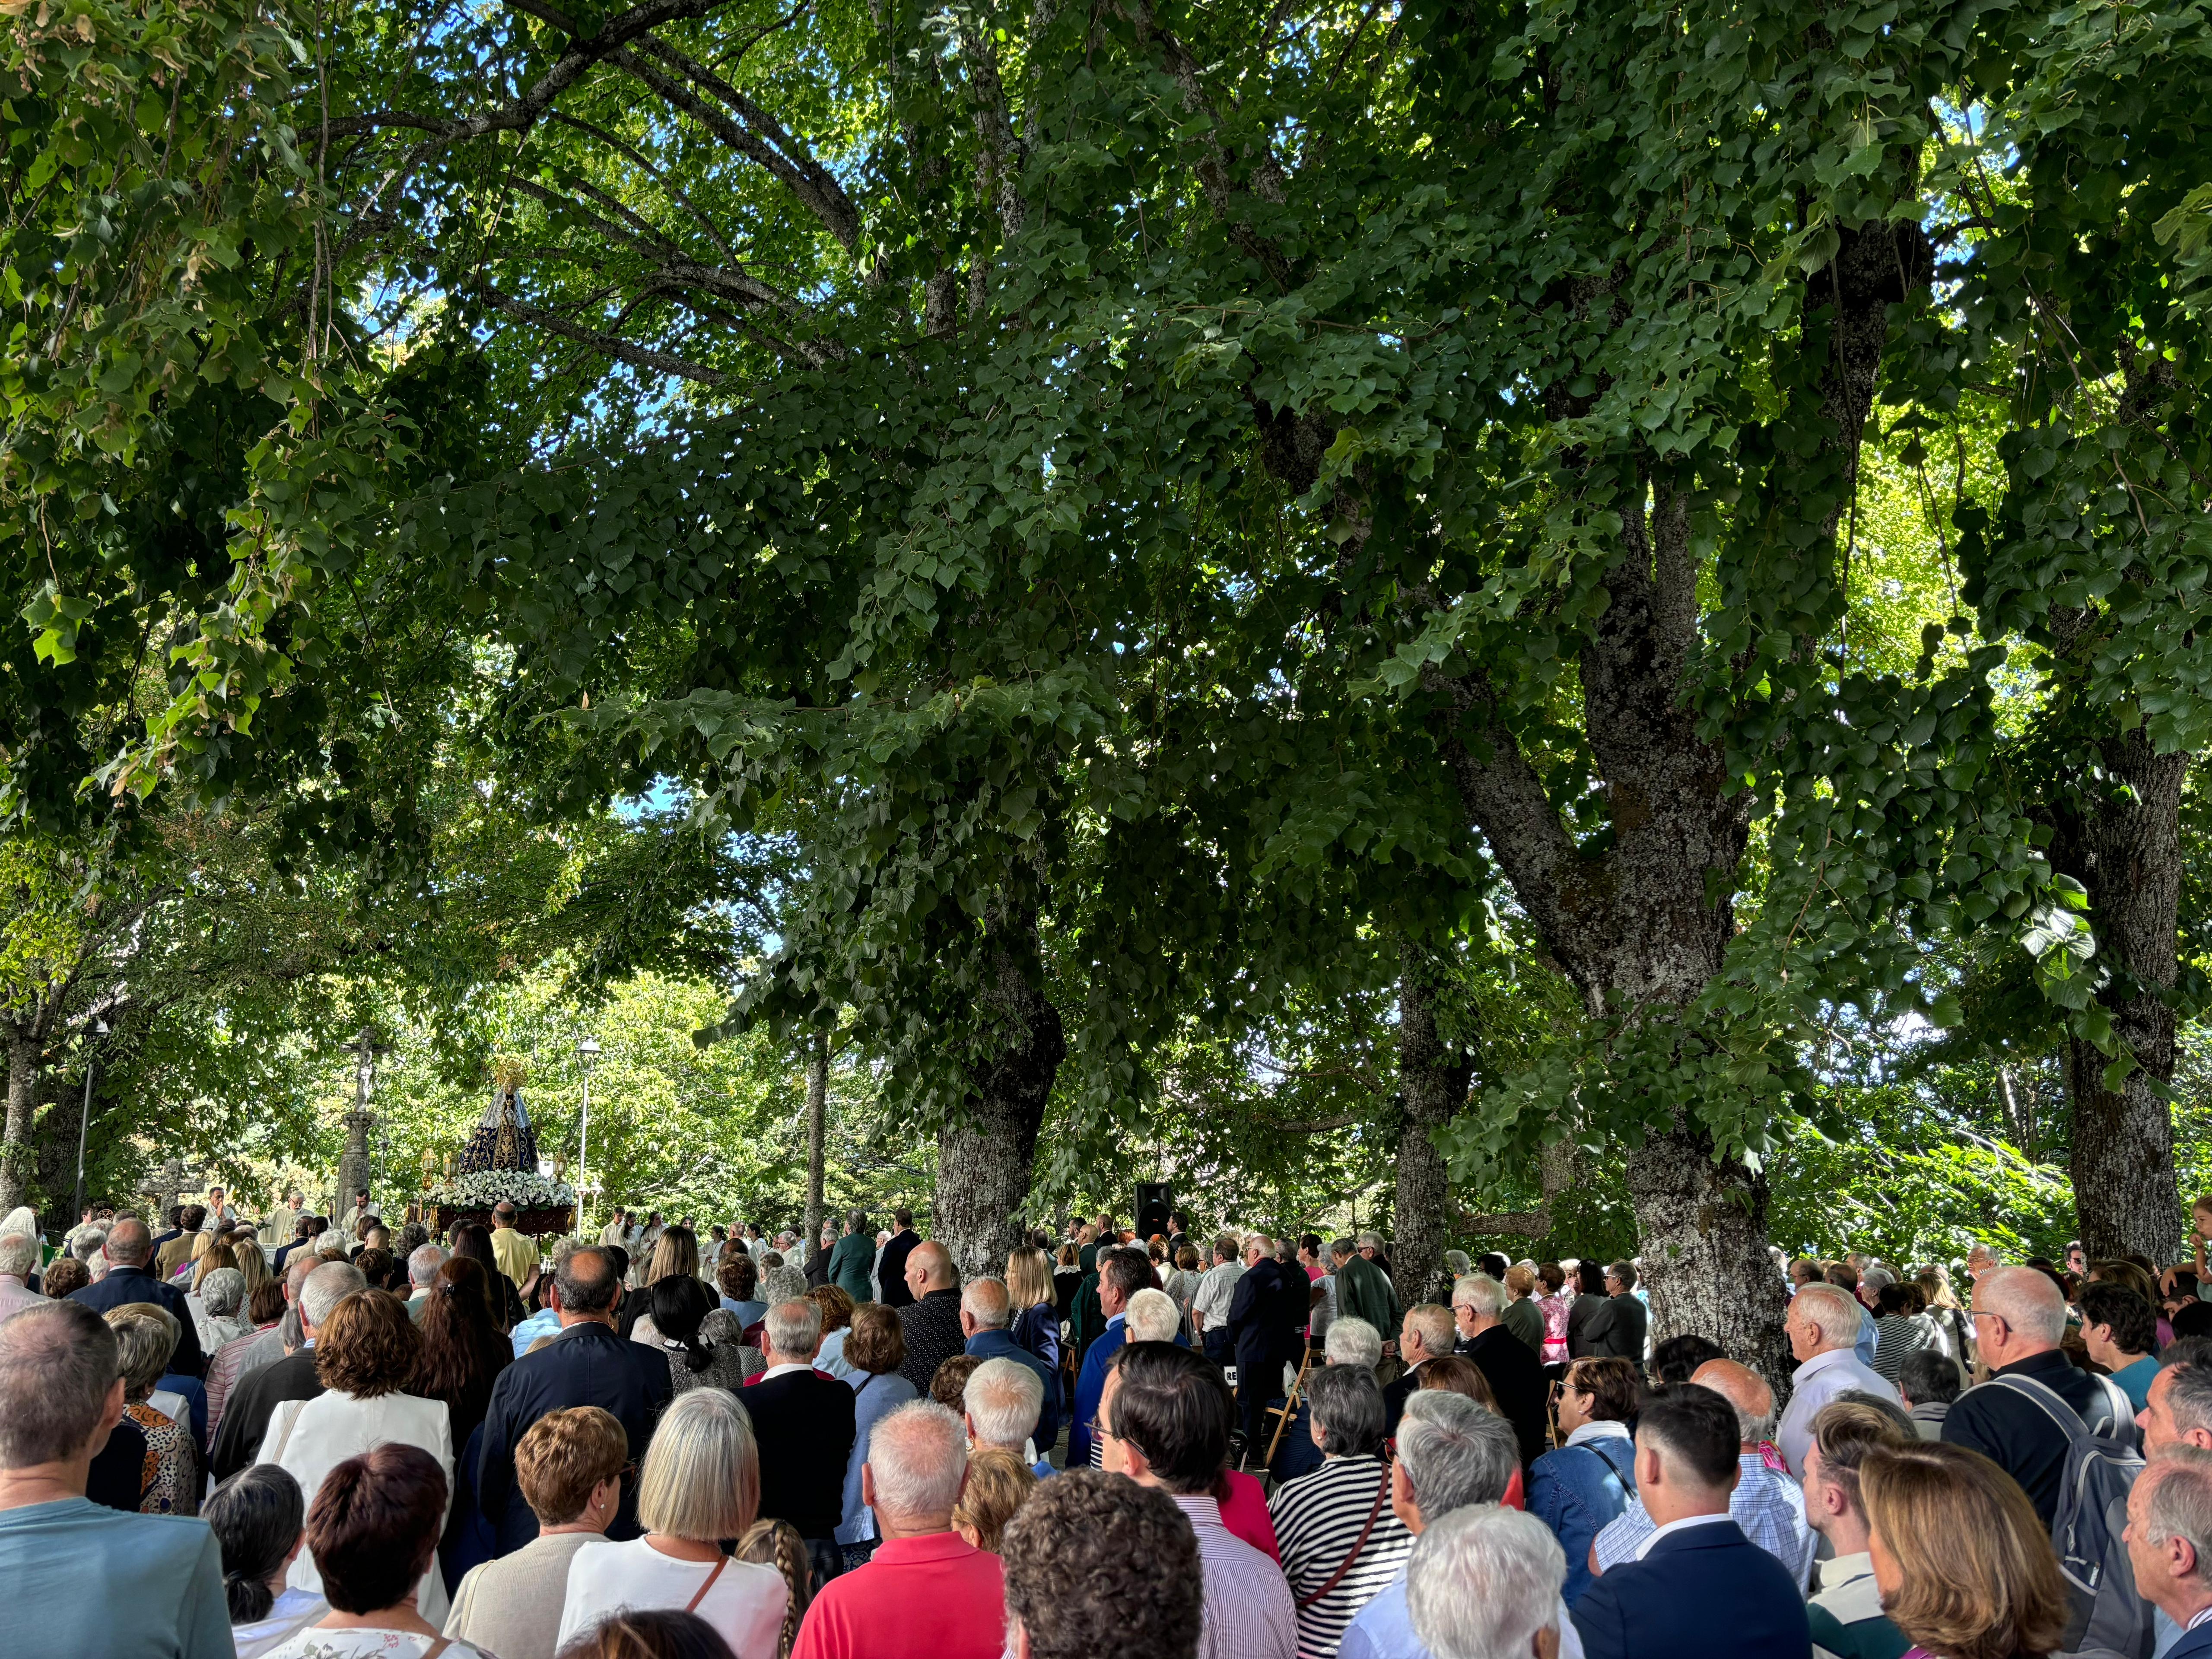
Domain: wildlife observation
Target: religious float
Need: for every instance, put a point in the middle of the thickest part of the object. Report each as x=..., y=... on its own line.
x=501, y=1163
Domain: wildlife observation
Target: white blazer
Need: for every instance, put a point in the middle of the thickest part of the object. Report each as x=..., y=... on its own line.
x=309, y=1439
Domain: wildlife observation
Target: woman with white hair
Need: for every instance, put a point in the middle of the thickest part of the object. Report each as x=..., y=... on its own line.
x=218, y=1309
x=700, y=1484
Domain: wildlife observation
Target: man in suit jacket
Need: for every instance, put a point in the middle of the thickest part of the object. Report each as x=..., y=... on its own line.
x=1425, y=1333
x=890, y=1266
x=177, y=1249
x=127, y=1281
x=587, y=1364
x=2169, y=1555
x=1512, y=1368
x=254, y=1401
x=804, y=1425
x=1616, y=1330
x=1697, y=1565
x=1264, y=1317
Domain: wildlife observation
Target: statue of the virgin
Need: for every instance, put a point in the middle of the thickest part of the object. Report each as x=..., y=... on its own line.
x=502, y=1139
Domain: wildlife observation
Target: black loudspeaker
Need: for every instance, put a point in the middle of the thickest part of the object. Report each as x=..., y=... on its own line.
x=1154, y=1200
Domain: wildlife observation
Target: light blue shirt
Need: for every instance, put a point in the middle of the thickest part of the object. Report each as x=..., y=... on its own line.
x=65, y=1563
x=1862, y=1350
x=544, y=1322
x=1383, y=1628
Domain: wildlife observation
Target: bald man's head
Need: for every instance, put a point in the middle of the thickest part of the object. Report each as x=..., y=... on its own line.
x=932, y=1262
x=2031, y=1305
x=129, y=1244
x=1745, y=1390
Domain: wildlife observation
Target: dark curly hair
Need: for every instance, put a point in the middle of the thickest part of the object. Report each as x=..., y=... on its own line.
x=1098, y=1567
x=368, y=1346
x=737, y=1276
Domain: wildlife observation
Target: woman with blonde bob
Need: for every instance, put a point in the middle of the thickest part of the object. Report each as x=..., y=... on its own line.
x=1965, y=1568
x=1036, y=1313
x=700, y=1484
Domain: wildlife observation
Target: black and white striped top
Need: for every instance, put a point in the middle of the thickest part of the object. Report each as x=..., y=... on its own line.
x=1318, y=1518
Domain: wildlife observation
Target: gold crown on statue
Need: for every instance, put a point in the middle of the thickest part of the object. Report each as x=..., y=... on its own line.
x=509, y=1071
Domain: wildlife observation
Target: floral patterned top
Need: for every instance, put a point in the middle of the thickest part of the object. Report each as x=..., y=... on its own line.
x=370, y=1644
x=171, y=1484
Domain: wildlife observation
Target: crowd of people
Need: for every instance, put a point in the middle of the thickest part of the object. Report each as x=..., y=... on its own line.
x=306, y=1441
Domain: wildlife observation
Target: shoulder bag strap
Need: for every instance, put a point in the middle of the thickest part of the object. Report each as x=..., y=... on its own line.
x=692, y=1606
x=285, y=1438
x=1592, y=1447
x=2054, y=1405
x=437, y=1647
x=1357, y=1544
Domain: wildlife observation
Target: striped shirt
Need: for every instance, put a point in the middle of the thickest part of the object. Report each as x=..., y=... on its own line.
x=1318, y=1518
x=1248, y=1610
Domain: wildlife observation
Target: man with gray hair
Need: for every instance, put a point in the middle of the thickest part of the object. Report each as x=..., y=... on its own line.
x=1002, y=1401
x=2169, y=1538
x=1823, y=1328
x=2019, y=1314
x=925, y=1589
x=1426, y=1333
x=1509, y=1365
x=83, y=1578
x=422, y=1265
x=18, y=1260
x=254, y=1399
x=1452, y=1453
x=1483, y=1583
x=805, y=1423
x=128, y=1248
x=1209, y=1304
x=285, y=1336
x=985, y=1311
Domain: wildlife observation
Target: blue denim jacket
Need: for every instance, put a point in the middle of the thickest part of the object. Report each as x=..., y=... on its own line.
x=1575, y=1491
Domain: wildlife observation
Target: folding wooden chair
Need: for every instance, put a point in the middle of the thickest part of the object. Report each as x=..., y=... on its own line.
x=1283, y=1412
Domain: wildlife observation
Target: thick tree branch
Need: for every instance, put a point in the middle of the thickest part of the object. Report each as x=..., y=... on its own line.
x=755, y=134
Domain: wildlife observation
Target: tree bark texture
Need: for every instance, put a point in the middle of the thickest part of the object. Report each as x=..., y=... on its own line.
x=17, y=1155
x=1703, y=1225
x=818, y=1115
x=2125, y=846
x=984, y=1157
x=1433, y=1074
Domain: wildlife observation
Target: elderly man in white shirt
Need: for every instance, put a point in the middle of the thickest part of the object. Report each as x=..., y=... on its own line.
x=1823, y=1326
x=19, y=1258
x=1209, y=1305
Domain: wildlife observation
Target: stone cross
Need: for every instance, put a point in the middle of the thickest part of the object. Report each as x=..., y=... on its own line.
x=171, y=1180
x=354, y=1168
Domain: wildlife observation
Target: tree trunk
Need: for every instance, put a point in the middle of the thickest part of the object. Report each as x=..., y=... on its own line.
x=1701, y=1227
x=984, y=1156
x=2125, y=848
x=818, y=1114
x=16, y=1154
x=1433, y=1074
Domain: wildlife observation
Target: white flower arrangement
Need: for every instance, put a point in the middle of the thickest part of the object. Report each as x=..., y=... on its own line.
x=524, y=1188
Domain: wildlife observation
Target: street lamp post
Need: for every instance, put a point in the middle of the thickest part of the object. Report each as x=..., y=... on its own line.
x=84, y=1117
x=588, y=1055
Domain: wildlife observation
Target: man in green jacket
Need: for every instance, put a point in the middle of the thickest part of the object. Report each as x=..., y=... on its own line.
x=1364, y=1291
x=855, y=1254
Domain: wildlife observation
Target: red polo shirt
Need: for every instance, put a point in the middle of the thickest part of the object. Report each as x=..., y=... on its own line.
x=933, y=1597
